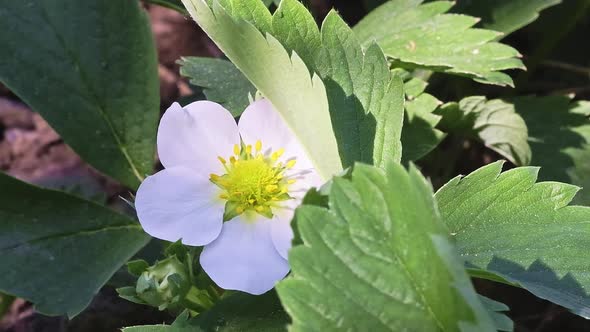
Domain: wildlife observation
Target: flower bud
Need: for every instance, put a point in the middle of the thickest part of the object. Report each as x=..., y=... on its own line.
x=163, y=285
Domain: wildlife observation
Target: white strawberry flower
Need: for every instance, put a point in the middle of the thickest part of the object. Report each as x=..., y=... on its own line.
x=230, y=187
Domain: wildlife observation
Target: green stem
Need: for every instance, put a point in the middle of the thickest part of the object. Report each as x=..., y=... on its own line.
x=212, y=291
x=190, y=263
x=566, y=66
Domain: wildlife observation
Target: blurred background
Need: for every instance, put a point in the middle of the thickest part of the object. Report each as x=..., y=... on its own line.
x=555, y=50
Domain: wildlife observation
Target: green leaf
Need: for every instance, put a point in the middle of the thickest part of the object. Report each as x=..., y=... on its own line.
x=420, y=135
x=366, y=101
x=94, y=68
x=237, y=312
x=354, y=107
x=253, y=11
x=493, y=122
x=58, y=250
x=525, y=232
x=559, y=131
x=221, y=81
x=421, y=35
x=295, y=27
x=505, y=16
x=157, y=328
x=270, y=2
x=285, y=80
x=172, y=4
x=496, y=311
x=378, y=260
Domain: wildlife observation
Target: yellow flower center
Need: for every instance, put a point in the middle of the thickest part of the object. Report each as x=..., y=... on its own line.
x=253, y=181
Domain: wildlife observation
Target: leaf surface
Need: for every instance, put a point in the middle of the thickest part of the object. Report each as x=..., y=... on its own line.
x=94, y=68
x=420, y=135
x=221, y=81
x=172, y=4
x=497, y=312
x=422, y=35
x=493, y=122
x=378, y=260
x=58, y=250
x=505, y=15
x=365, y=100
x=559, y=137
x=238, y=312
x=285, y=80
x=522, y=231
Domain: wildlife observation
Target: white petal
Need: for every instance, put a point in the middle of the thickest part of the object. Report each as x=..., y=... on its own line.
x=194, y=136
x=280, y=230
x=178, y=203
x=304, y=180
x=243, y=257
x=260, y=121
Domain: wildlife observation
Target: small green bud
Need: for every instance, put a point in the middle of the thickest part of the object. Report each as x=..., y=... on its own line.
x=164, y=285
x=170, y=284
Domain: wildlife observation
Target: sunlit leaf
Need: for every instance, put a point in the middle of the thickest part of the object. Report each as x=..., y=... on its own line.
x=285, y=80
x=523, y=231
x=378, y=260
x=422, y=35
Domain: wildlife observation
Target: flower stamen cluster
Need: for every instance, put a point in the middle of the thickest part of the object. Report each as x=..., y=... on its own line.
x=253, y=180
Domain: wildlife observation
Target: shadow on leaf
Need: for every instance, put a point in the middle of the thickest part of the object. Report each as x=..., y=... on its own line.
x=354, y=129
x=542, y=281
x=559, y=133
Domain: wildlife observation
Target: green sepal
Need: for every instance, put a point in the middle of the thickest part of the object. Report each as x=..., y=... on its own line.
x=266, y=211
x=176, y=249
x=137, y=267
x=230, y=211
x=129, y=294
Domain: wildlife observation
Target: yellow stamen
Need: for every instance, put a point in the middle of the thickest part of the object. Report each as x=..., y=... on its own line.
x=277, y=154
x=254, y=181
x=271, y=187
x=291, y=163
